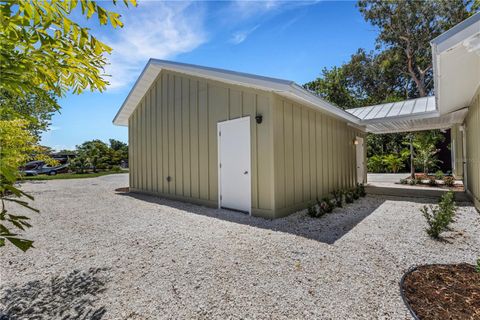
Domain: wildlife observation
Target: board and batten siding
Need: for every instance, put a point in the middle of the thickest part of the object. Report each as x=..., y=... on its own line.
x=314, y=154
x=472, y=124
x=173, y=133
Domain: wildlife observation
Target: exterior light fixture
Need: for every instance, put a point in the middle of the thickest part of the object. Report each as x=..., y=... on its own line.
x=259, y=118
x=355, y=141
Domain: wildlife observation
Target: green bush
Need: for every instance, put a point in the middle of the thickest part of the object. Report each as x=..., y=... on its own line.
x=325, y=206
x=477, y=268
x=338, y=198
x=414, y=182
x=375, y=164
x=449, y=181
x=403, y=181
x=115, y=169
x=349, y=197
x=361, y=190
x=355, y=194
x=439, y=175
x=312, y=210
x=432, y=182
x=439, y=217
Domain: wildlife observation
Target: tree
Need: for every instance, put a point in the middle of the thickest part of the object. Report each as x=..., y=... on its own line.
x=405, y=30
x=36, y=109
x=44, y=51
x=400, y=67
x=43, y=54
x=17, y=144
x=119, y=151
x=425, y=144
x=96, y=153
x=366, y=79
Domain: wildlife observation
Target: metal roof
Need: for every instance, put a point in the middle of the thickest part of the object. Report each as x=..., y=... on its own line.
x=421, y=106
x=282, y=87
x=409, y=115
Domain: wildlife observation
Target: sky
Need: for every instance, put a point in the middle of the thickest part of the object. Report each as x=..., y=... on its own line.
x=288, y=40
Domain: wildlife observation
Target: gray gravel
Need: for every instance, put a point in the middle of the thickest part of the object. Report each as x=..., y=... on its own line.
x=118, y=256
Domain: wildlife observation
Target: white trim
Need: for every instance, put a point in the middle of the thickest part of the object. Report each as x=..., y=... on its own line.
x=456, y=34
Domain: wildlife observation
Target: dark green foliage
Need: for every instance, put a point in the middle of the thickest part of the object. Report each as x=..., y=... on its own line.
x=414, y=182
x=449, y=181
x=116, y=169
x=326, y=205
x=312, y=210
x=477, y=268
x=439, y=217
x=338, y=198
x=403, y=181
x=355, y=194
x=349, y=197
x=361, y=189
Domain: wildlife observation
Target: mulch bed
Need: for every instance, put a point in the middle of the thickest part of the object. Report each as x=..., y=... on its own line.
x=442, y=292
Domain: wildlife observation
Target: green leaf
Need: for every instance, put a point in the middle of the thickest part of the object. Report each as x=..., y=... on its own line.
x=22, y=244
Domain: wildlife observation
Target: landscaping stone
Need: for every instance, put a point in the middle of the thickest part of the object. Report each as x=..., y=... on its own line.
x=162, y=259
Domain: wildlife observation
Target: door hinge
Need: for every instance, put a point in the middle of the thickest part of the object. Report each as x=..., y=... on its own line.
x=220, y=165
x=220, y=197
x=220, y=133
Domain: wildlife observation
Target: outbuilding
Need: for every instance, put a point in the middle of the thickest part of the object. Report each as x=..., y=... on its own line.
x=220, y=138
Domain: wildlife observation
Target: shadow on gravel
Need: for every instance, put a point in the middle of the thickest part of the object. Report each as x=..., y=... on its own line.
x=327, y=229
x=69, y=297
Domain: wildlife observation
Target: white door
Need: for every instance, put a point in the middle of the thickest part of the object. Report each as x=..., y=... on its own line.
x=234, y=177
x=360, y=160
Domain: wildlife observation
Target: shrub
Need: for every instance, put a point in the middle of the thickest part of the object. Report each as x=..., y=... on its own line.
x=375, y=164
x=432, y=181
x=355, y=194
x=361, y=190
x=116, y=169
x=338, y=197
x=414, y=182
x=326, y=205
x=403, y=181
x=477, y=268
x=312, y=210
x=449, y=181
x=439, y=175
x=348, y=197
x=438, y=218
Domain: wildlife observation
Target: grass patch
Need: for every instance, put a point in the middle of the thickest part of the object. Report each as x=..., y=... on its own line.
x=71, y=175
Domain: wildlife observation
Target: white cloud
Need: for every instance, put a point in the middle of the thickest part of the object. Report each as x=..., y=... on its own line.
x=246, y=9
x=153, y=30
x=240, y=36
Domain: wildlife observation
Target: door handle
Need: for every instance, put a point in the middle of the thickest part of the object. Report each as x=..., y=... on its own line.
x=246, y=172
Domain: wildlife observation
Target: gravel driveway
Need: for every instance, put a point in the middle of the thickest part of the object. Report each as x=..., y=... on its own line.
x=107, y=255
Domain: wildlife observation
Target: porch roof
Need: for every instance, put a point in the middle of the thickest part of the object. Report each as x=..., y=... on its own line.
x=409, y=115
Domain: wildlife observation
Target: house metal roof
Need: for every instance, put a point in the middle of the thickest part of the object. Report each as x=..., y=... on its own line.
x=409, y=115
x=282, y=87
x=422, y=106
